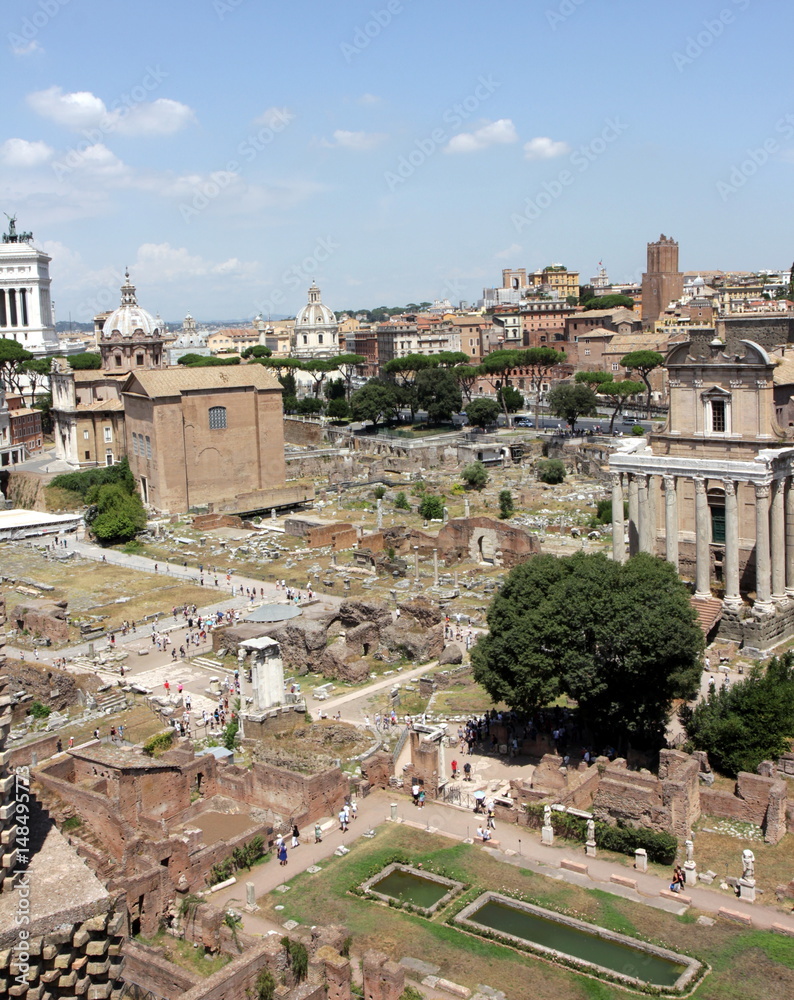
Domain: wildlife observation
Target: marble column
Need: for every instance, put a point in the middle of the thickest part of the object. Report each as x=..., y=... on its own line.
x=634, y=537
x=789, y=505
x=670, y=520
x=763, y=565
x=733, y=598
x=644, y=512
x=778, y=541
x=618, y=521
x=435, y=567
x=416, y=562
x=702, y=540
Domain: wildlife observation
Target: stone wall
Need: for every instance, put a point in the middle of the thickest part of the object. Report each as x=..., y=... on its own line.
x=338, y=536
x=303, y=432
x=759, y=799
x=383, y=979
x=44, y=618
x=208, y=522
x=146, y=968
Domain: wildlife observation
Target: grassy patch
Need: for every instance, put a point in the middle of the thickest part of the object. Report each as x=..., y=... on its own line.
x=183, y=954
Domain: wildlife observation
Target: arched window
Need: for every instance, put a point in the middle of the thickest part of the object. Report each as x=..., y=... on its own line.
x=217, y=418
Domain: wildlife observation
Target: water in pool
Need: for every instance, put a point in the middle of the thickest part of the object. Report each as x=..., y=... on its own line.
x=412, y=888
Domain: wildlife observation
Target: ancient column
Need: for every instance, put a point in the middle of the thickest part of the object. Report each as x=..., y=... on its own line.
x=702, y=540
x=618, y=522
x=763, y=568
x=466, y=508
x=380, y=514
x=733, y=598
x=435, y=567
x=416, y=562
x=670, y=520
x=778, y=541
x=644, y=528
x=789, y=504
x=634, y=537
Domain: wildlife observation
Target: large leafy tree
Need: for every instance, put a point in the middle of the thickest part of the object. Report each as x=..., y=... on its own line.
x=12, y=354
x=751, y=721
x=347, y=364
x=482, y=412
x=572, y=402
x=622, y=640
x=496, y=368
x=85, y=361
x=116, y=515
x=438, y=392
x=608, y=302
x=257, y=351
x=466, y=375
x=643, y=363
x=37, y=373
x=376, y=401
x=617, y=394
x=538, y=362
x=510, y=398
x=403, y=371
x=319, y=369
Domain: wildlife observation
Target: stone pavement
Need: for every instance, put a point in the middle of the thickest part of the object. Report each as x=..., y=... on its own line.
x=518, y=846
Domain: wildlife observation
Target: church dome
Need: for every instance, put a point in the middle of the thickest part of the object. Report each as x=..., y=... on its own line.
x=314, y=313
x=129, y=320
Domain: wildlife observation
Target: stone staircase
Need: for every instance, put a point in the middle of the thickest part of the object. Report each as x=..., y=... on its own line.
x=708, y=610
x=110, y=702
x=202, y=661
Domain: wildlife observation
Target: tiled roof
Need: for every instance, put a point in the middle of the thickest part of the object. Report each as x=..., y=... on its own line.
x=173, y=381
x=784, y=369
x=625, y=343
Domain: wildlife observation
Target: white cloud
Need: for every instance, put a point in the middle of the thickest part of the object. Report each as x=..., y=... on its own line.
x=21, y=153
x=275, y=118
x=509, y=252
x=22, y=48
x=543, y=148
x=358, y=141
x=369, y=100
x=84, y=110
x=158, y=262
x=499, y=132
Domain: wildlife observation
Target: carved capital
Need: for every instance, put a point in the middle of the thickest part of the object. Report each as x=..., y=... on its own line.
x=762, y=491
x=617, y=480
x=730, y=488
x=700, y=485
x=669, y=486
x=641, y=479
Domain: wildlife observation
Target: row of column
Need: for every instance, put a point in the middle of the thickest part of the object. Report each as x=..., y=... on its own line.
x=774, y=534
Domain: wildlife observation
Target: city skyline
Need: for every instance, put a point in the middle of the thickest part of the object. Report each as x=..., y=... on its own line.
x=229, y=153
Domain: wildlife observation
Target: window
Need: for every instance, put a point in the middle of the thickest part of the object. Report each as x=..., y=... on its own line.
x=587, y=350
x=85, y=435
x=615, y=366
x=118, y=361
x=718, y=416
x=305, y=339
x=217, y=418
x=134, y=443
x=108, y=435
x=319, y=338
x=139, y=359
x=148, y=446
x=87, y=456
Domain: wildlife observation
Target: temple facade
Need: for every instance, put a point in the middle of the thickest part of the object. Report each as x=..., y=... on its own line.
x=712, y=492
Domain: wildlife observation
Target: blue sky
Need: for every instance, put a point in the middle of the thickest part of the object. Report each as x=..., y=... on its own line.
x=229, y=151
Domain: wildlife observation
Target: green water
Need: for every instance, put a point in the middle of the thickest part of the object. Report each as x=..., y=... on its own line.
x=412, y=888
x=625, y=959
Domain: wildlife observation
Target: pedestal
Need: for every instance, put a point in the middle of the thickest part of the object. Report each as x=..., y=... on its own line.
x=641, y=859
x=747, y=889
x=690, y=873
x=590, y=848
x=547, y=835
x=250, y=897
x=393, y=812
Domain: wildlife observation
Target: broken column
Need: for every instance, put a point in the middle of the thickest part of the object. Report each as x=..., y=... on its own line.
x=435, y=567
x=690, y=869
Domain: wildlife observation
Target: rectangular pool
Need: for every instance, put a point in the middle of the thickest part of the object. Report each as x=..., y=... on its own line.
x=423, y=890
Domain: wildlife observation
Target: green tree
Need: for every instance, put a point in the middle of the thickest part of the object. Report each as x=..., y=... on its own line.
x=506, y=505
x=37, y=373
x=438, y=392
x=751, y=721
x=496, y=368
x=348, y=365
x=257, y=351
x=338, y=409
x=309, y=405
x=474, y=475
x=12, y=354
x=551, y=471
x=319, y=368
x=335, y=389
x=617, y=393
x=572, y=402
x=466, y=376
x=116, y=515
x=509, y=398
x=431, y=508
x=482, y=412
x=265, y=986
x=85, y=361
x=403, y=372
x=539, y=362
x=401, y=502
x=608, y=302
x=376, y=401
x=643, y=363
x=189, y=359
x=622, y=640
x=450, y=359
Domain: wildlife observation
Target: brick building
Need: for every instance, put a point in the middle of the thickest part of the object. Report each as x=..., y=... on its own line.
x=662, y=282
x=201, y=435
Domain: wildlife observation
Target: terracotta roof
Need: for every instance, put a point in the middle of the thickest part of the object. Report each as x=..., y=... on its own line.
x=784, y=369
x=92, y=374
x=625, y=343
x=100, y=405
x=173, y=381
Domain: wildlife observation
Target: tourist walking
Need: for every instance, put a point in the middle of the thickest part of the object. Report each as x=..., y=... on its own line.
x=282, y=854
x=318, y=833
x=296, y=837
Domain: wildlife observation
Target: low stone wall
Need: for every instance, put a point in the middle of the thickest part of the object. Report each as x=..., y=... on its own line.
x=147, y=969
x=206, y=522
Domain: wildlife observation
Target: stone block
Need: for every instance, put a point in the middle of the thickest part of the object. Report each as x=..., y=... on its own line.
x=97, y=923
x=99, y=992
x=98, y=968
x=630, y=883
x=81, y=937
x=454, y=988
x=669, y=894
x=63, y=960
x=97, y=947
x=741, y=918
x=783, y=929
x=68, y=980
x=574, y=866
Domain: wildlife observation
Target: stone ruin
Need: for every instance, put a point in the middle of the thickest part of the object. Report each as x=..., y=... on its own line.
x=340, y=644
x=47, y=619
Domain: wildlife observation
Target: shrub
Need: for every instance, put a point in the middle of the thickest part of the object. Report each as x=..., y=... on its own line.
x=475, y=475
x=551, y=471
x=380, y=492
x=132, y=547
x=431, y=508
x=506, y=505
x=71, y=823
x=81, y=482
x=298, y=958
x=159, y=743
x=39, y=711
x=638, y=430
x=265, y=986
x=230, y=735
x=603, y=514
x=401, y=502
x=661, y=847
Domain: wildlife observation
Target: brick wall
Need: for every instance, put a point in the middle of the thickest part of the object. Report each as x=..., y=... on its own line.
x=147, y=969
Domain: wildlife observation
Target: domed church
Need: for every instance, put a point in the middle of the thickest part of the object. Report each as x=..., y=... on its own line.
x=316, y=329
x=131, y=337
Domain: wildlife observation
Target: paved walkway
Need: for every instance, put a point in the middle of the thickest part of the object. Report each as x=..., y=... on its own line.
x=518, y=846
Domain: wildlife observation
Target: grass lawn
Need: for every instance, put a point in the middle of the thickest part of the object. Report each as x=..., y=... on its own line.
x=183, y=954
x=751, y=965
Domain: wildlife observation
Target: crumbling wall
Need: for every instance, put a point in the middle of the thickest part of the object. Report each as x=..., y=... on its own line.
x=44, y=618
